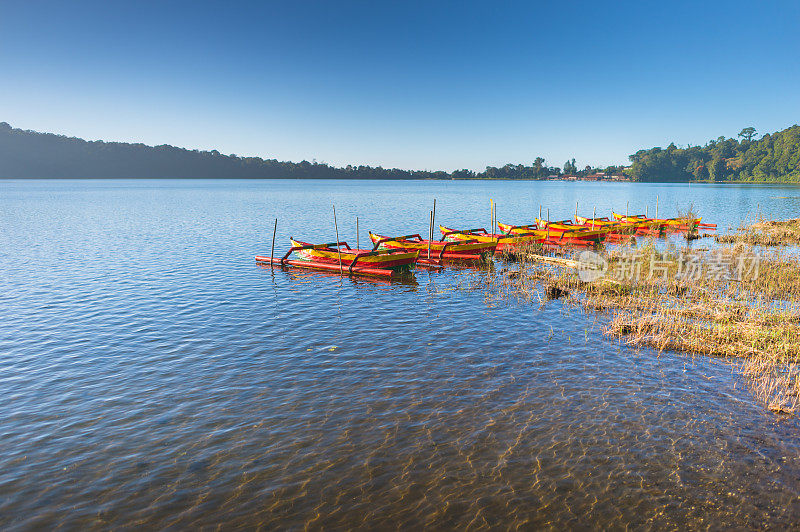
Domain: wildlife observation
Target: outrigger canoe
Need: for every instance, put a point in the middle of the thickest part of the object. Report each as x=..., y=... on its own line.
x=619, y=226
x=468, y=250
x=338, y=256
x=641, y=218
x=509, y=241
x=596, y=235
x=669, y=224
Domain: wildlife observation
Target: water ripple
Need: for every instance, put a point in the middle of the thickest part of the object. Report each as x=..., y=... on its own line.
x=152, y=376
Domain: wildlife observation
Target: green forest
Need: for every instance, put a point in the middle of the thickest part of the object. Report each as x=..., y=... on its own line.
x=29, y=154
x=772, y=158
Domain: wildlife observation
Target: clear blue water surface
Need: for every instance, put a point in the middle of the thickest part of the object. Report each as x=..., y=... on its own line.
x=152, y=375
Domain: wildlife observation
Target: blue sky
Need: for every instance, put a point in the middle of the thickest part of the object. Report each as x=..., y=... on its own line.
x=428, y=85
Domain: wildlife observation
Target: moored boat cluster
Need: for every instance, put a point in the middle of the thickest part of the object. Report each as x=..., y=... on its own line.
x=395, y=256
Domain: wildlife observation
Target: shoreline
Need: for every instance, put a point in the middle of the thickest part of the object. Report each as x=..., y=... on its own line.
x=772, y=183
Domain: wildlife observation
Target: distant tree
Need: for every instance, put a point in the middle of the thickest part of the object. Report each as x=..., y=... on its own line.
x=539, y=169
x=463, y=174
x=747, y=133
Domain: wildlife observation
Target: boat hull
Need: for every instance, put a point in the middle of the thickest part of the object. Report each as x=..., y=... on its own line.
x=387, y=259
x=445, y=250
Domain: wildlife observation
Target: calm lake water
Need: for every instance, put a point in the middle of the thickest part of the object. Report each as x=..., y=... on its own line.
x=152, y=375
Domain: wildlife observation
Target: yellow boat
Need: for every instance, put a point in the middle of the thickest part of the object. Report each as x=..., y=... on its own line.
x=618, y=226
x=365, y=258
x=449, y=250
x=655, y=222
x=502, y=241
x=578, y=231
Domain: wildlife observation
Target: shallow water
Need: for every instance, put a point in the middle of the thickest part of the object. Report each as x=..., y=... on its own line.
x=152, y=375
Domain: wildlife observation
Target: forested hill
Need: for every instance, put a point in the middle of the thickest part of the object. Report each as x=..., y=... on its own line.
x=29, y=154
x=772, y=158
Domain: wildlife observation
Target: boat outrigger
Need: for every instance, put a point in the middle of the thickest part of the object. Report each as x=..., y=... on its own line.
x=597, y=234
x=338, y=256
x=515, y=236
x=574, y=236
x=619, y=226
x=468, y=250
x=680, y=224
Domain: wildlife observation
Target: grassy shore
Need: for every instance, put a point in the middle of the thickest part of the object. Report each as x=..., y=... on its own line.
x=766, y=233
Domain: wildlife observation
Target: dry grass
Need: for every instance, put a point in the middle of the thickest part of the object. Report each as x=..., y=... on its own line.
x=726, y=302
x=766, y=233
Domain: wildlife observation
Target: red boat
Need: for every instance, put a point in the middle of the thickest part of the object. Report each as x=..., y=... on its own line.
x=339, y=257
x=467, y=250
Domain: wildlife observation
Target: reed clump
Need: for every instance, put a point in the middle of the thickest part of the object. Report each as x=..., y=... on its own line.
x=730, y=302
x=766, y=233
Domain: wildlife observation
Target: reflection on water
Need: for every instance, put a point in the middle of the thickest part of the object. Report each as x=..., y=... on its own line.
x=152, y=375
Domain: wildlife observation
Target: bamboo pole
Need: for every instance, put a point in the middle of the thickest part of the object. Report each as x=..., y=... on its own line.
x=433, y=222
x=430, y=234
x=576, y=212
x=656, y=206
x=272, y=252
x=594, y=216
x=491, y=216
x=548, y=223
x=627, y=208
x=494, y=220
x=358, y=243
x=338, y=249
x=540, y=212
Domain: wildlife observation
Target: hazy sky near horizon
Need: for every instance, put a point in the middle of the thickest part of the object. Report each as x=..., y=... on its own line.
x=426, y=85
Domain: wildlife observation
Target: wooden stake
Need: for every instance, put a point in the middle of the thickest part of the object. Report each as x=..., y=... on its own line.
x=433, y=221
x=627, y=206
x=576, y=212
x=358, y=243
x=430, y=234
x=272, y=253
x=540, y=212
x=491, y=216
x=656, y=206
x=338, y=249
x=594, y=216
x=494, y=219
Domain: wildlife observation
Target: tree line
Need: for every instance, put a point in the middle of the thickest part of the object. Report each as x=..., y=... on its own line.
x=30, y=154
x=772, y=158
